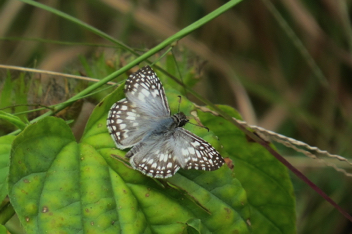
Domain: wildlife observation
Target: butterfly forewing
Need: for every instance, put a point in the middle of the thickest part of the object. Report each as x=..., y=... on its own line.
x=130, y=119
x=145, y=90
x=160, y=145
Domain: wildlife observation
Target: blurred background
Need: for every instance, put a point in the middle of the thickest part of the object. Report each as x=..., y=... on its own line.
x=284, y=65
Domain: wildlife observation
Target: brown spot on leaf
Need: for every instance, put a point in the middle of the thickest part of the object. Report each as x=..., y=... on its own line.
x=249, y=222
x=23, y=191
x=45, y=209
x=229, y=163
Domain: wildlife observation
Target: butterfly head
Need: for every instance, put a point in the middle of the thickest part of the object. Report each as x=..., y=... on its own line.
x=181, y=119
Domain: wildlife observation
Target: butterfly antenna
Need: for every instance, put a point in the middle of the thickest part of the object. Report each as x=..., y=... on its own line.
x=199, y=126
x=178, y=111
x=179, y=103
x=179, y=72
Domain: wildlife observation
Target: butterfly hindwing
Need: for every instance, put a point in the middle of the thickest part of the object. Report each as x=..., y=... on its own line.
x=162, y=157
x=154, y=157
x=201, y=155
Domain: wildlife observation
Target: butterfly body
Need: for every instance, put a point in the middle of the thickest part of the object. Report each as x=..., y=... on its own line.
x=160, y=146
x=165, y=126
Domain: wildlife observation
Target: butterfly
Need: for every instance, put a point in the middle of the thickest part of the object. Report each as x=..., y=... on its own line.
x=160, y=146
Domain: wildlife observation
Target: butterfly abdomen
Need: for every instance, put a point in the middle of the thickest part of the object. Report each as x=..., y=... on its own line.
x=163, y=126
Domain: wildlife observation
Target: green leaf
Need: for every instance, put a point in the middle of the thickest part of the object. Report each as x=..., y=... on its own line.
x=5, y=148
x=265, y=179
x=3, y=229
x=96, y=135
x=60, y=185
x=12, y=119
x=194, y=226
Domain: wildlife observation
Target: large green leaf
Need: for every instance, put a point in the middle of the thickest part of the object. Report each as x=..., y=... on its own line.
x=5, y=148
x=266, y=181
x=59, y=185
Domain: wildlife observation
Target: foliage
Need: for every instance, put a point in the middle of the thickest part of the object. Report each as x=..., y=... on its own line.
x=285, y=65
x=84, y=189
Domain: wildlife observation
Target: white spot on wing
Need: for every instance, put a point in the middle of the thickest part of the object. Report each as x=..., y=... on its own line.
x=145, y=92
x=191, y=150
x=184, y=152
x=141, y=97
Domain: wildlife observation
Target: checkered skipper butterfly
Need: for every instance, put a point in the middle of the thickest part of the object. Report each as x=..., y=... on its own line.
x=160, y=146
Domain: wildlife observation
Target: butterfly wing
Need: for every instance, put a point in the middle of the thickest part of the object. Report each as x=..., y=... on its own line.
x=131, y=119
x=199, y=154
x=145, y=90
x=127, y=124
x=154, y=157
x=161, y=156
